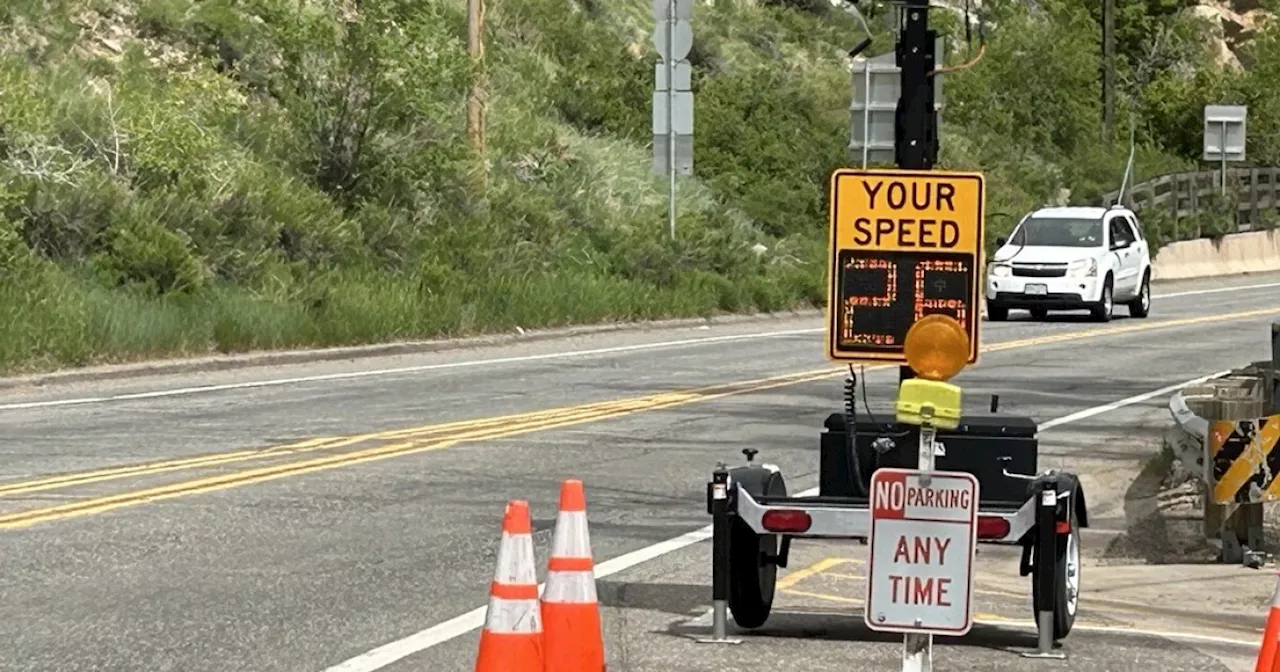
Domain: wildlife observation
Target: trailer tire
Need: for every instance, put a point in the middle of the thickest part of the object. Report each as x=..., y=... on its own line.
x=1066, y=582
x=753, y=576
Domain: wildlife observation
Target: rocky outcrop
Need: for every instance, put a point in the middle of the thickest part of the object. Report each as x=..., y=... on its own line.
x=1233, y=23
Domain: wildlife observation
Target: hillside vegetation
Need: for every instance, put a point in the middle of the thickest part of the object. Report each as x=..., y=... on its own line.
x=189, y=176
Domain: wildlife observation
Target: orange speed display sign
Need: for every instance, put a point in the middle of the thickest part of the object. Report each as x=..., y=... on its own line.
x=903, y=244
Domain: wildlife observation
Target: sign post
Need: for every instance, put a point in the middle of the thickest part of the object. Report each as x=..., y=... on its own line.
x=672, y=97
x=903, y=244
x=923, y=537
x=916, y=136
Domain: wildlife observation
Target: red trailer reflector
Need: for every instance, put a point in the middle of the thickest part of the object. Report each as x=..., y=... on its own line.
x=786, y=520
x=992, y=527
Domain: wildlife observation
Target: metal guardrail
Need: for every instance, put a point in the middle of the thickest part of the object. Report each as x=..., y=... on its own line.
x=1184, y=195
x=1228, y=427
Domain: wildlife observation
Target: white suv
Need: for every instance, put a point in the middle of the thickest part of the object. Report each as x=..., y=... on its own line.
x=1071, y=258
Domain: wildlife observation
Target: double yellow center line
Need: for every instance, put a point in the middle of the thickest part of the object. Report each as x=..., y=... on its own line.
x=401, y=442
x=427, y=438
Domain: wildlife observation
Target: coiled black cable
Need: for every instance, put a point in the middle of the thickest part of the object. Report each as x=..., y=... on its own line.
x=851, y=431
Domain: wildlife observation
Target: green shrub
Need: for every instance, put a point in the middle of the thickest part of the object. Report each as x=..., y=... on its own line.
x=144, y=253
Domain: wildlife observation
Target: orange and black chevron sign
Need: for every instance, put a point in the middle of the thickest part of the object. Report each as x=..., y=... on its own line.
x=1244, y=459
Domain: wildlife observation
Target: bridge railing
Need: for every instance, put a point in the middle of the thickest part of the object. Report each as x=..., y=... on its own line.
x=1193, y=204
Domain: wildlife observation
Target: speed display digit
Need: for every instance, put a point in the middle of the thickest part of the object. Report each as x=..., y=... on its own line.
x=882, y=295
x=904, y=244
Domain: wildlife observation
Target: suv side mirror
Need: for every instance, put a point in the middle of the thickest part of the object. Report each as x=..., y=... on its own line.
x=1119, y=244
x=1001, y=240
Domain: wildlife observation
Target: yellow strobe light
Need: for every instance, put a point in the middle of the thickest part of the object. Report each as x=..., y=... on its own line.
x=937, y=348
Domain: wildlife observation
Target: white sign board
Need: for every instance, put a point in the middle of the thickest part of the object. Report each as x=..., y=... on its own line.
x=1224, y=132
x=922, y=548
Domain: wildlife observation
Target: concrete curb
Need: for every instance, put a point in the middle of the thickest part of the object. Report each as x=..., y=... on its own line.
x=286, y=357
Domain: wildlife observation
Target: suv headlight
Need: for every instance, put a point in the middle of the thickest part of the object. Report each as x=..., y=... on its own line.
x=1000, y=270
x=1083, y=268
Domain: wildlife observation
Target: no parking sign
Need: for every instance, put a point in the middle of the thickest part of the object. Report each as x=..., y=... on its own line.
x=923, y=539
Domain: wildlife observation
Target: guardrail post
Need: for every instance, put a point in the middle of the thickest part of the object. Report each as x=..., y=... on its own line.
x=1211, y=512
x=1273, y=391
x=1237, y=522
x=1254, y=219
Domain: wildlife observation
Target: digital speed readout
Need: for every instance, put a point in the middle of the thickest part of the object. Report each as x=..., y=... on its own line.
x=880, y=295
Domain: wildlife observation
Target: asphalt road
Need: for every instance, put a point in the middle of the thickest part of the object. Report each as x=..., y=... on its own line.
x=295, y=517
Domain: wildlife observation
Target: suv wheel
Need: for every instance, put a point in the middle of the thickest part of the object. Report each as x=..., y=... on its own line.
x=997, y=313
x=1102, y=310
x=1140, y=306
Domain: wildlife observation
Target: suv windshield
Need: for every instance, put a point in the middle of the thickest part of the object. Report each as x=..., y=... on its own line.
x=1058, y=232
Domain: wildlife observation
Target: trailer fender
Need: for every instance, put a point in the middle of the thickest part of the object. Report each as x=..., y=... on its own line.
x=1068, y=483
x=758, y=480
x=1082, y=510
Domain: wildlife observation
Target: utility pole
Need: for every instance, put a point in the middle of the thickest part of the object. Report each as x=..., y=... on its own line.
x=476, y=93
x=916, y=133
x=1108, y=70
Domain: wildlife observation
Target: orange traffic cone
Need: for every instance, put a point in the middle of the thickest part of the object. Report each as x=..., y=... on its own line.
x=512, y=637
x=1268, y=661
x=570, y=610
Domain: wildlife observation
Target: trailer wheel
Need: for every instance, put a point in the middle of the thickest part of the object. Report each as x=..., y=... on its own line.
x=1066, y=582
x=752, y=572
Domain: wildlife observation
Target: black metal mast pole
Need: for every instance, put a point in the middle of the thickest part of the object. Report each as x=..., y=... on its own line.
x=916, y=132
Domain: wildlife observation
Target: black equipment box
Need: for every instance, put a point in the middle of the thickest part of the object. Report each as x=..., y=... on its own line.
x=983, y=445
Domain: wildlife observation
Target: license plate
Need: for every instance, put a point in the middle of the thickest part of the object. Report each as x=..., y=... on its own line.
x=1037, y=290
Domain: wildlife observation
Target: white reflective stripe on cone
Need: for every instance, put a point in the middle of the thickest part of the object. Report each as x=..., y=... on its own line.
x=516, y=562
x=570, y=588
x=571, y=539
x=513, y=617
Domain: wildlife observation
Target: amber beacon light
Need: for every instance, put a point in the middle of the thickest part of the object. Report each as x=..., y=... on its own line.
x=936, y=347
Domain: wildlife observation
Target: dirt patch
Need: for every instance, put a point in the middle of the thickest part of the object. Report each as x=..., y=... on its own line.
x=1164, y=519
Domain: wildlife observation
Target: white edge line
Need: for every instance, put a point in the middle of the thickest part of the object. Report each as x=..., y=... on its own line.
x=276, y=382
x=1214, y=290
x=1136, y=399
x=461, y=625
x=1163, y=633
x=438, y=634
